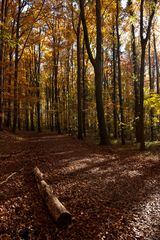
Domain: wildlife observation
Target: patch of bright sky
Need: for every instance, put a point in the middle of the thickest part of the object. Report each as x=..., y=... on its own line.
x=124, y=3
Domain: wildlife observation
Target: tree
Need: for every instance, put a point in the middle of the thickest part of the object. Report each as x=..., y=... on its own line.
x=119, y=75
x=3, y=14
x=97, y=65
x=135, y=70
x=144, y=36
x=77, y=30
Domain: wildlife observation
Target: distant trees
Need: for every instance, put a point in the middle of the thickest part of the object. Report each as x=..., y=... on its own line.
x=97, y=77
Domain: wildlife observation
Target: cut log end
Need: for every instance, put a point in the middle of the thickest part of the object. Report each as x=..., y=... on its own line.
x=64, y=220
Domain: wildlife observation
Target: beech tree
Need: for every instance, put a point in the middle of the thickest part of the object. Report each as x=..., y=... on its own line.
x=97, y=65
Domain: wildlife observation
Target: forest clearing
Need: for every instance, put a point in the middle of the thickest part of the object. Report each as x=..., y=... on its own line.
x=111, y=193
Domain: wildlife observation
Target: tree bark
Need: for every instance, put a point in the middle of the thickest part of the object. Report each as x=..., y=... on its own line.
x=135, y=74
x=119, y=77
x=57, y=117
x=97, y=64
x=114, y=94
x=151, y=86
x=144, y=41
x=59, y=213
x=84, y=84
x=16, y=68
x=157, y=63
x=38, y=70
x=2, y=17
x=79, y=85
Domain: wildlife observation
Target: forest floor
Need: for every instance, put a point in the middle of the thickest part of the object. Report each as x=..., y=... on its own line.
x=112, y=193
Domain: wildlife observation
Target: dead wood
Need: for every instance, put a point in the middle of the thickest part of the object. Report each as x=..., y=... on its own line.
x=60, y=214
x=8, y=178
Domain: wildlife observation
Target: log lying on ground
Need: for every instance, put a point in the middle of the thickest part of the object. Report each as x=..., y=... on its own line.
x=59, y=213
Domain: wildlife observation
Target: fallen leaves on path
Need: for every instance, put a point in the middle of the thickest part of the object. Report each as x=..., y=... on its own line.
x=112, y=194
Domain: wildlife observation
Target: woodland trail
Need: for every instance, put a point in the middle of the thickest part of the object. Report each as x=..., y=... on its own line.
x=111, y=193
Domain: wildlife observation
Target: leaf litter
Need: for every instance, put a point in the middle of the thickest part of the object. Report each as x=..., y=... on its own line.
x=111, y=193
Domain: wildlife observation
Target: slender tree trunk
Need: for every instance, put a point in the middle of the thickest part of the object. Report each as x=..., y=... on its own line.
x=16, y=69
x=57, y=117
x=151, y=86
x=136, y=84
x=10, y=76
x=1, y=61
x=157, y=63
x=114, y=95
x=8, y=122
x=119, y=77
x=142, y=139
x=19, y=113
x=32, y=95
x=68, y=89
x=52, y=101
x=79, y=85
x=84, y=91
x=47, y=93
x=38, y=88
x=32, y=118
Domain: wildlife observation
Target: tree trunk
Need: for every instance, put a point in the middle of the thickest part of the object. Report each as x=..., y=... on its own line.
x=151, y=87
x=38, y=87
x=97, y=64
x=32, y=118
x=79, y=86
x=57, y=118
x=144, y=41
x=1, y=61
x=8, y=122
x=16, y=69
x=59, y=213
x=135, y=73
x=119, y=77
x=52, y=100
x=84, y=118
x=114, y=95
x=142, y=140
x=157, y=64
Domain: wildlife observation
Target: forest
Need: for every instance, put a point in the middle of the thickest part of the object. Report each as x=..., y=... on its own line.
x=86, y=69
x=79, y=119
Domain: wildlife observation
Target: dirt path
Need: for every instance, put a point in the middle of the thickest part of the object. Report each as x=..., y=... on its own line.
x=111, y=194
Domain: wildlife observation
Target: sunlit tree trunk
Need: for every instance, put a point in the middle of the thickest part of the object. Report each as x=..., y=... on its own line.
x=157, y=64
x=151, y=83
x=119, y=76
x=79, y=85
x=68, y=88
x=114, y=94
x=57, y=117
x=144, y=39
x=84, y=84
x=135, y=73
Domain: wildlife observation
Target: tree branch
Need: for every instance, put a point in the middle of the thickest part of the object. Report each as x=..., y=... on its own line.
x=86, y=37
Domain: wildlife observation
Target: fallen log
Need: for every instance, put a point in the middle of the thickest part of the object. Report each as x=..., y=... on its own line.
x=60, y=214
